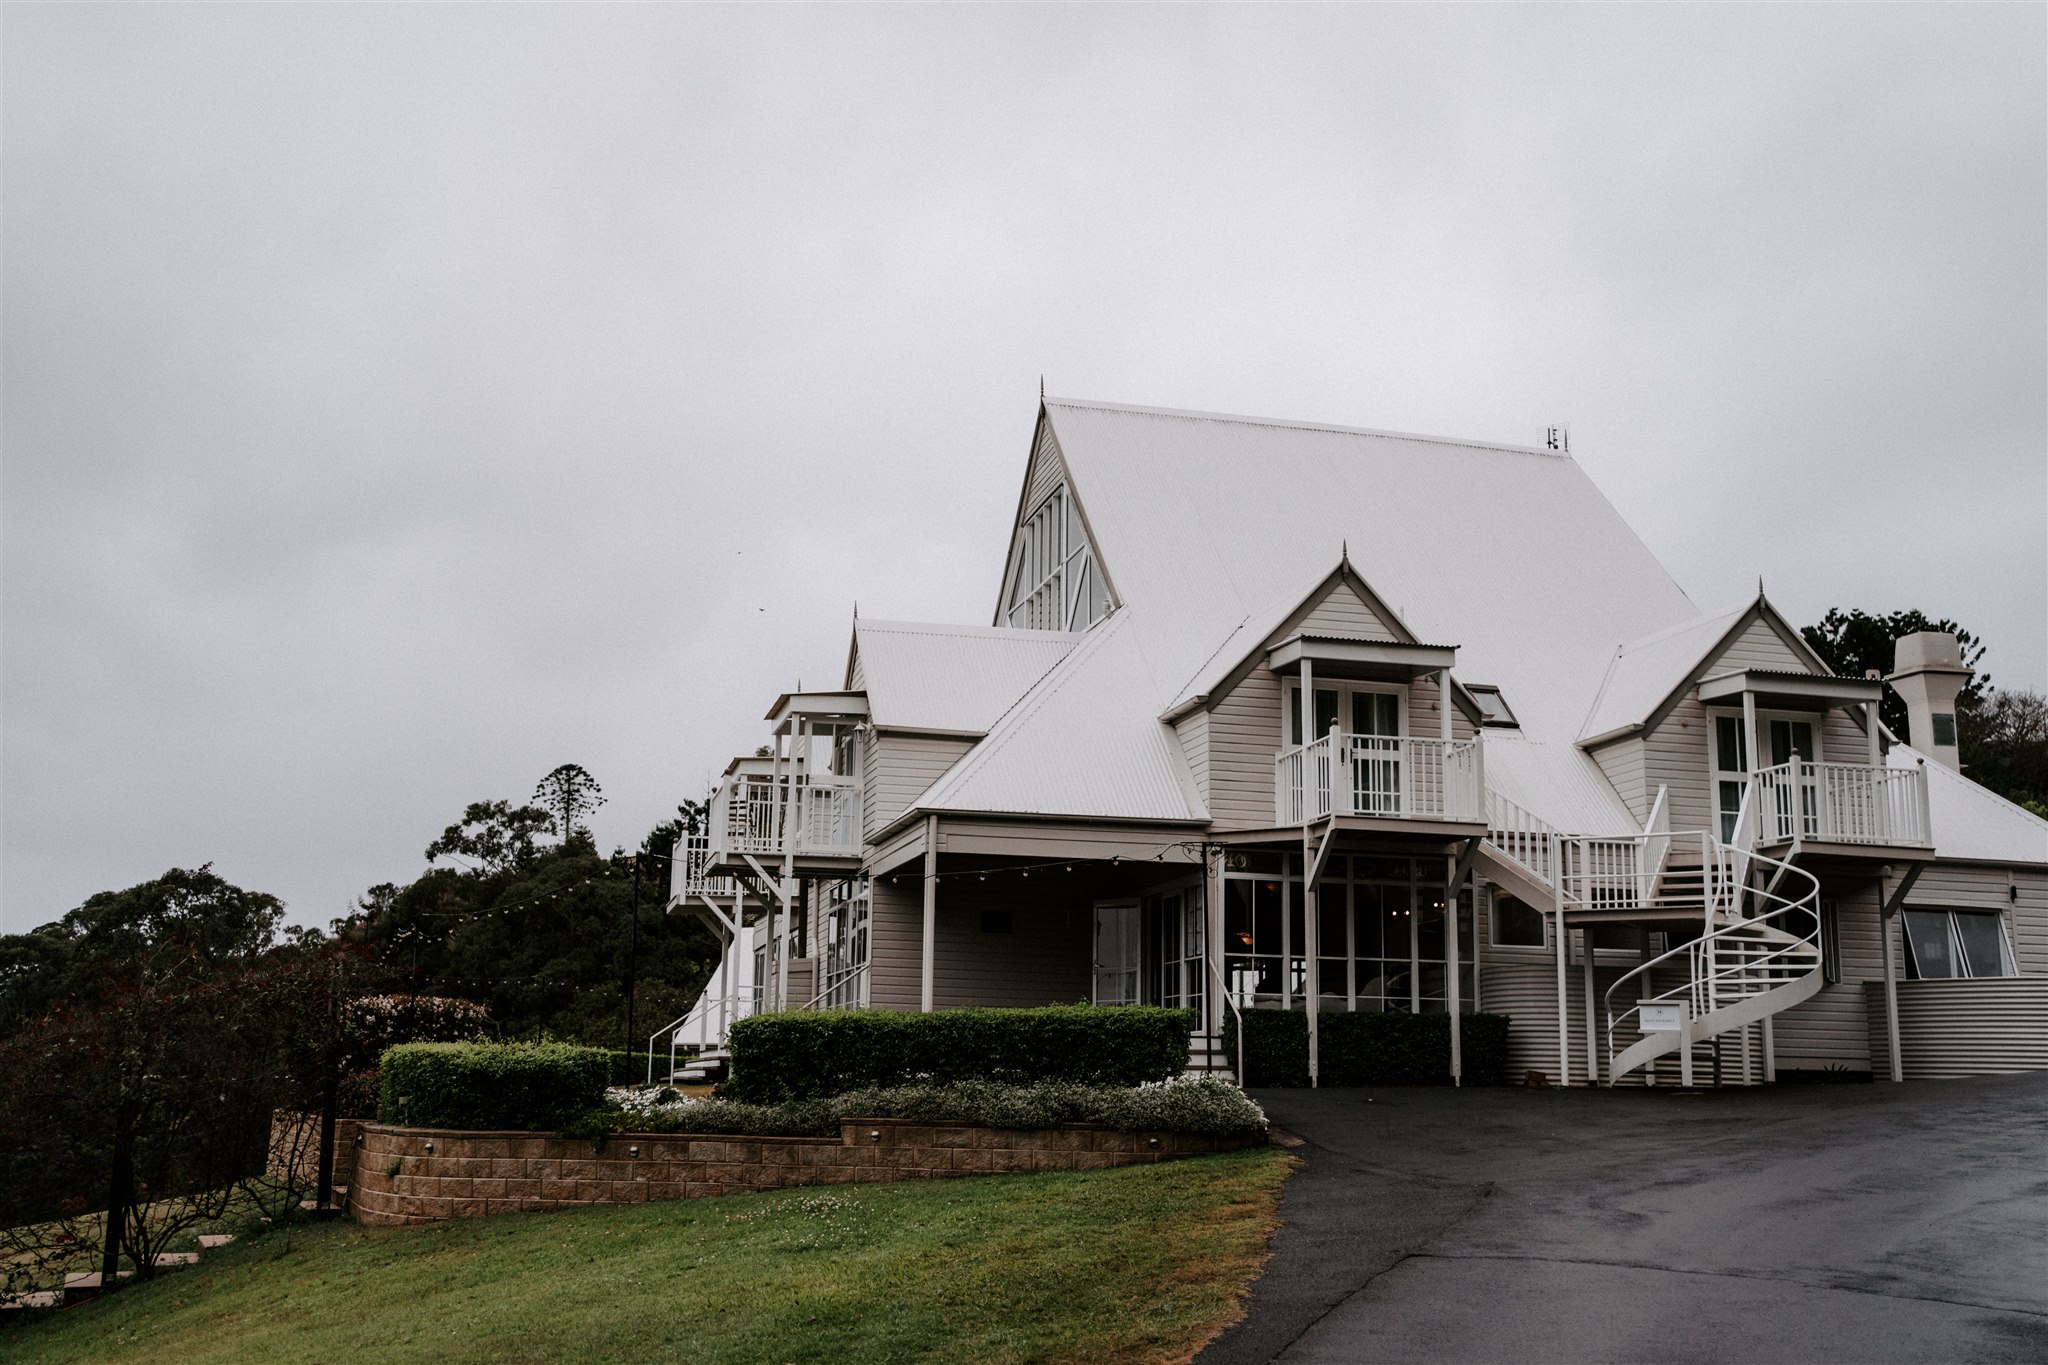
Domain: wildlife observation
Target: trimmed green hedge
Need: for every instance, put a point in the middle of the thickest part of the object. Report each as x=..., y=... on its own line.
x=1368, y=1049
x=812, y=1054
x=536, y=1086
x=1178, y=1106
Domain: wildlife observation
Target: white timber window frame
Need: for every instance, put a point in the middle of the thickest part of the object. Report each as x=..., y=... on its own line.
x=1055, y=584
x=1727, y=738
x=1945, y=943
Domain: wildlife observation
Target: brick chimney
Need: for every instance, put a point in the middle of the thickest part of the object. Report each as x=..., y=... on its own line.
x=1927, y=672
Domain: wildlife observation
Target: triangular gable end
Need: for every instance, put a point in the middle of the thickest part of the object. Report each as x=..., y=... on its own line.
x=1341, y=604
x=1045, y=475
x=1760, y=612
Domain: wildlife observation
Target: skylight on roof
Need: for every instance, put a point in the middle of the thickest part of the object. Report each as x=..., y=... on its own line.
x=1493, y=708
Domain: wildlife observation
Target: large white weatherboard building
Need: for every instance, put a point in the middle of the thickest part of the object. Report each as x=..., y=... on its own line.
x=1259, y=700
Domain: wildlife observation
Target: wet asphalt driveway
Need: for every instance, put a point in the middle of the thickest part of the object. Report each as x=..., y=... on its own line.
x=1816, y=1223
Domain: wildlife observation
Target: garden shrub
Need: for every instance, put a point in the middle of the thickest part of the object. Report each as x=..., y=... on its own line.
x=812, y=1054
x=1176, y=1106
x=1368, y=1049
x=490, y=1085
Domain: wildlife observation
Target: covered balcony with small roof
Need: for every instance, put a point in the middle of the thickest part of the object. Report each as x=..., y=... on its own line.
x=794, y=811
x=1826, y=809
x=1351, y=762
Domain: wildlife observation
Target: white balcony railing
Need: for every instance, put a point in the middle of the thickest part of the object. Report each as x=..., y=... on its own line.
x=751, y=812
x=1843, y=803
x=1389, y=776
x=687, y=871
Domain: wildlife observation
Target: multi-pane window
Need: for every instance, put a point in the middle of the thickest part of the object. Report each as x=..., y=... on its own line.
x=845, y=984
x=1381, y=936
x=1950, y=943
x=1055, y=585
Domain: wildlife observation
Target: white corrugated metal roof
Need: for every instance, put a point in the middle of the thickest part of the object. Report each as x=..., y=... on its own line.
x=1555, y=780
x=1084, y=741
x=1644, y=672
x=921, y=676
x=1972, y=822
x=1206, y=521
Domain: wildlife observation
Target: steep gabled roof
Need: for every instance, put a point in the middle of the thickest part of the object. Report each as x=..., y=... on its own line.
x=1508, y=550
x=1647, y=675
x=951, y=679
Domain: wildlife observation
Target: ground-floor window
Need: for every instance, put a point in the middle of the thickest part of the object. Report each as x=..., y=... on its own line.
x=1953, y=943
x=1381, y=929
x=844, y=985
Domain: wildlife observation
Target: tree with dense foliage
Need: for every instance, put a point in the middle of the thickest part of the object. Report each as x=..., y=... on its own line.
x=568, y=793
x=2005, y=747
x=1856, y=642
x=494, y=836
x=542, y=937
x=2003, y=736
x=145, y=1051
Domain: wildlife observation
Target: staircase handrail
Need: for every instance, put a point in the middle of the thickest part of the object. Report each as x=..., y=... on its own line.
x=741, y=998
x=1656, y=846
x=1737, y=923
x=1515, y=830
x=1214, y=962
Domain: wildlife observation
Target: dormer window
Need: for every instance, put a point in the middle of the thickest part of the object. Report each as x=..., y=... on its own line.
x=1493, y=708
x=1055, y=585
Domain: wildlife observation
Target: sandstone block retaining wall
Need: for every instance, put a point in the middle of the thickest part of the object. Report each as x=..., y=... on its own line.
x=422, y=1175
x=295, y=1147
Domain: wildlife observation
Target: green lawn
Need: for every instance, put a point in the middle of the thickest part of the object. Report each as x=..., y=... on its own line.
x=1143, y=1263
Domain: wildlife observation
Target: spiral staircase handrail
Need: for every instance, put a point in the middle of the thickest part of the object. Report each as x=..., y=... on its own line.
x=1704, y=974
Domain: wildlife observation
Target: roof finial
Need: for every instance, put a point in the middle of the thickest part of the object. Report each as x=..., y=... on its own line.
x=1759, y=587
x=856, y=609
x=1345, y=554
x=1041, y=388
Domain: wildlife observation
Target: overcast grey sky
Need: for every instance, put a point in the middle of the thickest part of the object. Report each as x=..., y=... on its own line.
x=401, y=401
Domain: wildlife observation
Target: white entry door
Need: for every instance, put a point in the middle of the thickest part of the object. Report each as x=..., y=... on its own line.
x=1119, y=930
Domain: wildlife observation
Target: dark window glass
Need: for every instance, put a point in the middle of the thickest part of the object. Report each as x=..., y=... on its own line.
x=1830, y=944
x=1516, y=924
x=1728, y=742
x=1944, y=728
x=1266, y=916
x=1929, y=953
x=1983, y=944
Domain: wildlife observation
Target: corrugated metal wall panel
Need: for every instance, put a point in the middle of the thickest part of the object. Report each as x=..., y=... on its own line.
x=1949, y=1029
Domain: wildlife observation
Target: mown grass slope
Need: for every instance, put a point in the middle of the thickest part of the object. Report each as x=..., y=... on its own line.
x=1143, y=1263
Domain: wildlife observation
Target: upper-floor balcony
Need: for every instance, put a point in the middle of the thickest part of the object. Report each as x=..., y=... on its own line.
x=1388, y=777
x=765, y=810
x=1843, y=803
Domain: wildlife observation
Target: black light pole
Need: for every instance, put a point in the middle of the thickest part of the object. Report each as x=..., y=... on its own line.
x=633, y=957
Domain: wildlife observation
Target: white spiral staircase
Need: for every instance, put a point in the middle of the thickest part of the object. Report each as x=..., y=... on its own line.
x=1758, y=954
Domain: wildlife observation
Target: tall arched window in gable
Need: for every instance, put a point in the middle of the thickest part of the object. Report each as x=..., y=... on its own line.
x=1055, y=585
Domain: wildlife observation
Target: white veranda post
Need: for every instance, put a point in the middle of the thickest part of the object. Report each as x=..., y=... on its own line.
x=1451, y=889
x=1311, y=948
